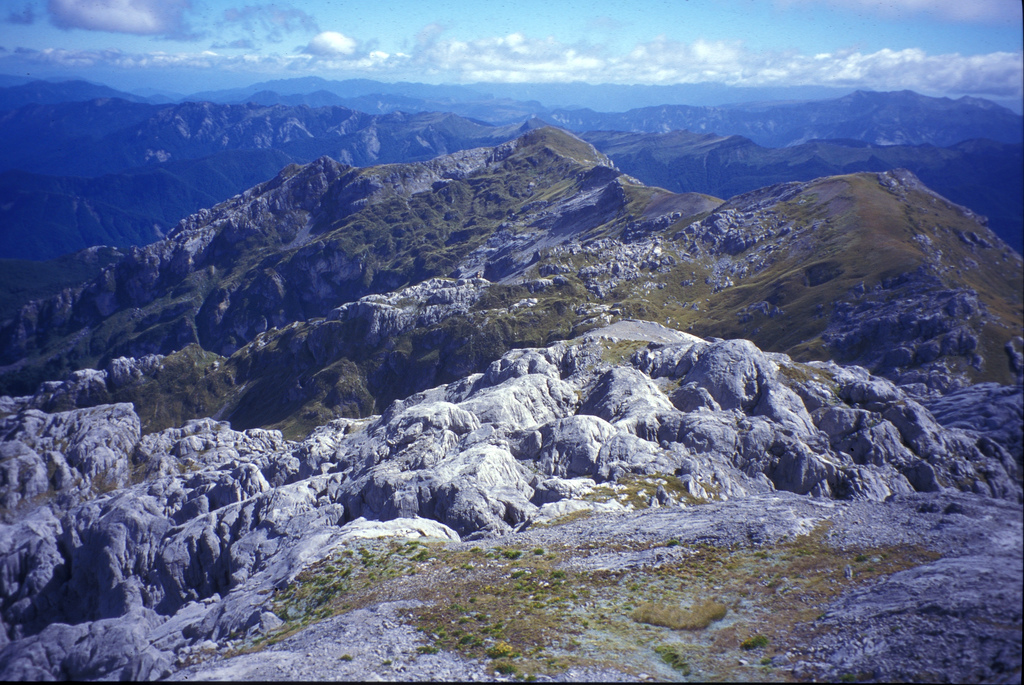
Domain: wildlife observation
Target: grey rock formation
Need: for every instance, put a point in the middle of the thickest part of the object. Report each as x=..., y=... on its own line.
x=955, y=615
x=157, y=543
x=67, y=454
x=422, y=305
x=988, y=411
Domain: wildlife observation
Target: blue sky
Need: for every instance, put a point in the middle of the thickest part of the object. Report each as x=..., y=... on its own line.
x=937, y=47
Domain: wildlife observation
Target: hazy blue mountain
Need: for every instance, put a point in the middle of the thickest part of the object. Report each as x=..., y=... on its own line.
x=7, y=80
x=603, y=97
x=159, y=96
x=620, y=98
x=64, y=189
x=159, y=163
x=50, y=93
x=101, y=137
x=901, y=118
x=44, y=217
x=66, y=138
x=348, y=88
x=896, y=118
x=318, y=98
x=490, y=110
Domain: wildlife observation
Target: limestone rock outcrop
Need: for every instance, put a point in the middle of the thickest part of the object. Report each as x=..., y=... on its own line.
x=152, y=543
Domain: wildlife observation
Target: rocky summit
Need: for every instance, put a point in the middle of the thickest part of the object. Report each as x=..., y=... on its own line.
x=512, y=414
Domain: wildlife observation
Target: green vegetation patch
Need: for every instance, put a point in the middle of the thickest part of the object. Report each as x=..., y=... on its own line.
x=636, y=490
x=621, y=351
x=676, y=655
x=755, y=642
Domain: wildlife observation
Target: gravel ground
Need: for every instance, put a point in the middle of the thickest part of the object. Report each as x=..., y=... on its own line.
x=371, y=644
x=365, y=644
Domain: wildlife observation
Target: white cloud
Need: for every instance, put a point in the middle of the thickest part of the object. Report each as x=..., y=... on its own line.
x=512, y=58
x=331, y=44
x=375, y=62
x=996, y=74
x=516, y=58
x=519, y=58
x=143, y=17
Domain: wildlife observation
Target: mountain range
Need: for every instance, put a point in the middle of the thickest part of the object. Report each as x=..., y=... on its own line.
x=541, y=99
x=816, y=269
x=148, y=166
x=897, y=118
x=510, y=411
x=18, y=95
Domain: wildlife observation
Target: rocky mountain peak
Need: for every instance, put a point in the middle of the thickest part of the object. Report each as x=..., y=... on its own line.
x=561, y=142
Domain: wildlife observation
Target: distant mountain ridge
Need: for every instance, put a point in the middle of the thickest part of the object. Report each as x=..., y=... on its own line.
x=542, y=97
x=128, y=185
x=892, y=118
x=815, y=112
x=900, y=118
x=348, y=88
x=50, y=93
x=109, y=136
x=47, y=216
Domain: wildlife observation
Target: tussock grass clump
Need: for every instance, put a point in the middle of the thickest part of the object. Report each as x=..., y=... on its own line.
x=621, y=351
x=697, y=617
x=755, y=642
x=501, y=650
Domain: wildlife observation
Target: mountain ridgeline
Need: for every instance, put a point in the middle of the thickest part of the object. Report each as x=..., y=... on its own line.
x=773, y=118
x=113, y=172
x=981, y=174
x=297, y=301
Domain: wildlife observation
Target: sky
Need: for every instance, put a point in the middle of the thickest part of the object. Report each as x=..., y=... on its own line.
x=935, y=47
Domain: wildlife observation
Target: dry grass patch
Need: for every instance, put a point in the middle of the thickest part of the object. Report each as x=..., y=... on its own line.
x=695, y=618
x=637, y=490
x=577, y=515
